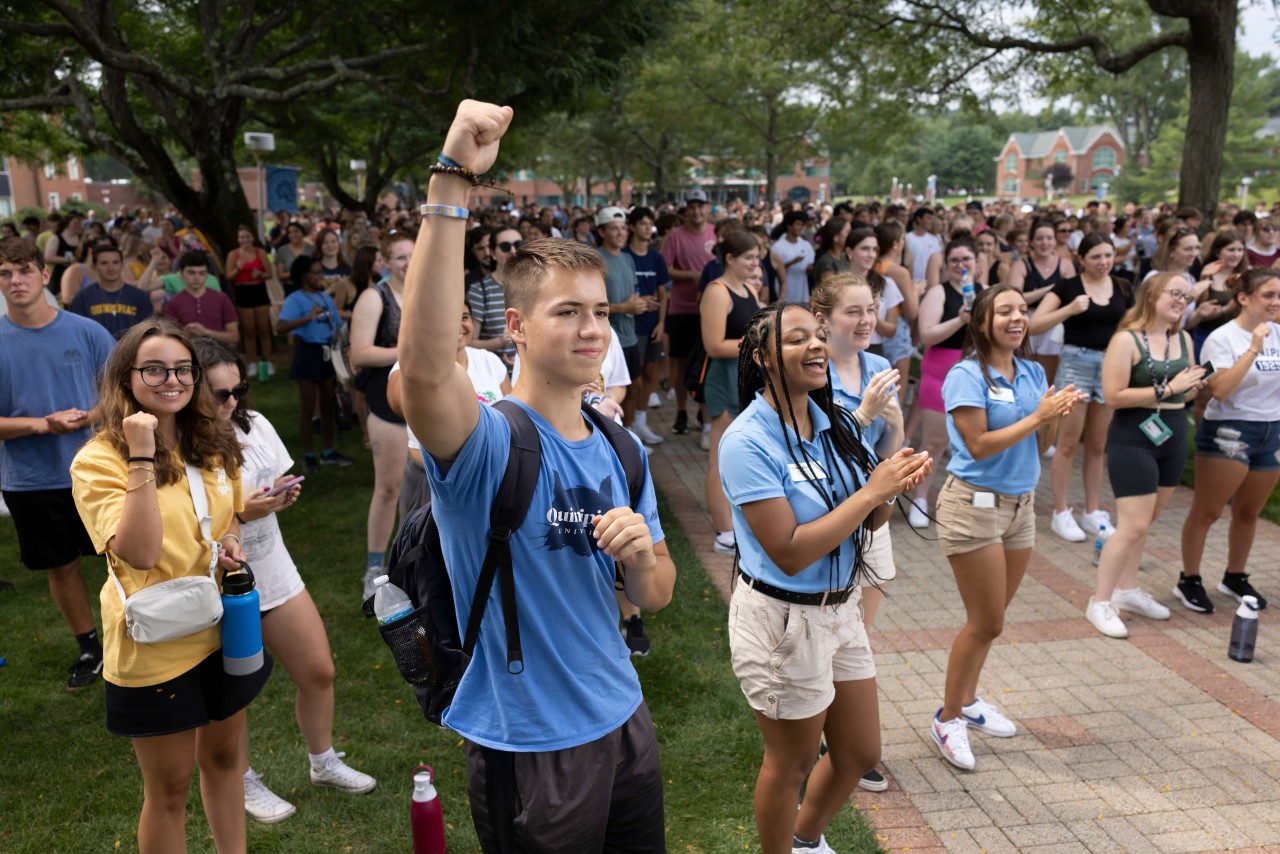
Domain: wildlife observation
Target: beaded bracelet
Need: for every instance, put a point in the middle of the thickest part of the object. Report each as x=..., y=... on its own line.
x=460, y=171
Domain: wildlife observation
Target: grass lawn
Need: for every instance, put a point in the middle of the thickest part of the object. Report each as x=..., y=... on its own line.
x=67, y=785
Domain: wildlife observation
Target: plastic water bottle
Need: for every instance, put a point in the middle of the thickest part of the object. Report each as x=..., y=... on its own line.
x=263, y=371
x=425, y=815
x=241, y=623
x=390, y=603
x=1244, y=630
x=1104, y=534
x=966, y=289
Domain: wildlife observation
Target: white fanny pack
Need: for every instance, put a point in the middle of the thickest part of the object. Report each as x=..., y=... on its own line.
x=181, y=606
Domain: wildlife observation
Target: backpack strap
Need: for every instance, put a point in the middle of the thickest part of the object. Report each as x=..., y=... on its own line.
x=509, y=508
x=624, y=445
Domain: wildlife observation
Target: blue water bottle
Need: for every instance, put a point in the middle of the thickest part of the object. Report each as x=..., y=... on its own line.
x=241, y=623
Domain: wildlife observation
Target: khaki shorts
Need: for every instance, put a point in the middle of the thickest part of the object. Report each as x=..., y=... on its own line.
x=788, y=657
x=879, y=557
x=963, y=528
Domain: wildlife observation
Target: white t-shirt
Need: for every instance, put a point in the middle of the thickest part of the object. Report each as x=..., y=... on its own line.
x=266, y=459
x=891, y=298
x=486, y=371
x=797, y=273
x=922, y=247
x=1257, y=398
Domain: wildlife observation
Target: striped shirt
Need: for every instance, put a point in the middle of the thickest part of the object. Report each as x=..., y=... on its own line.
x=489, y=310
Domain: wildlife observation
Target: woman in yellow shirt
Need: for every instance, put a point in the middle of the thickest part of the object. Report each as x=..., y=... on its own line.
x=155, y=416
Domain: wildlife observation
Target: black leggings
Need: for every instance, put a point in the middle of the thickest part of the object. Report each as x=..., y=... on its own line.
x=1135, y=465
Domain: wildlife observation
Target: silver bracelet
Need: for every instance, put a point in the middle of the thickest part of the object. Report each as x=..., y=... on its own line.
x=229, y=537
x=447, y=211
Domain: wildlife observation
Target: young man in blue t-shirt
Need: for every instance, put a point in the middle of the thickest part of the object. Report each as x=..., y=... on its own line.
x=49, y=366
x=653, y=280
x=561, y=756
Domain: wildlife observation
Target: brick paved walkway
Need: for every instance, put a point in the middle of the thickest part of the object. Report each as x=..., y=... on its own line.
x=1158, y=743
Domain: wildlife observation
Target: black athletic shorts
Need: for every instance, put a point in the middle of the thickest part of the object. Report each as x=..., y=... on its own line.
x=251, y=296
x=1135, y=465
x=682, y=331
x=309, y=363
x=50, y=533
x=605, y=795
x=204, y=693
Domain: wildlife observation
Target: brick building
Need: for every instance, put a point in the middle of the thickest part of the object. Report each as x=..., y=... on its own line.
x=1094, y=154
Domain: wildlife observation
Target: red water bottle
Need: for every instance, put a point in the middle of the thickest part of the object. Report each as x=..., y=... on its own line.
x=425, y=814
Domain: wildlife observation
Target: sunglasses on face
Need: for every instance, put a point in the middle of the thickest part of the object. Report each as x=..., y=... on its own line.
x=222, y=395
x=1269, y=228
x=510, y=245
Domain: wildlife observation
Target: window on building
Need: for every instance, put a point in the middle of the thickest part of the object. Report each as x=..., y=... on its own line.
x=50, y=170
x=73, y=168
x=1104, y=158
x=1011, y=185
x=54, y=201
x=4, y=163
x=75, y=197
x=1084, y=185
x=1011, y=164
x=1060, y=156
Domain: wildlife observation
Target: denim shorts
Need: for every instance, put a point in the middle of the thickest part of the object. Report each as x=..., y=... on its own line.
x=1255, y=443
x=1081, y=367
x=898, y=346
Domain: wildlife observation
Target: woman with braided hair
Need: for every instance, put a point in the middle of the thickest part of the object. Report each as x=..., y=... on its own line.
x=805, y=496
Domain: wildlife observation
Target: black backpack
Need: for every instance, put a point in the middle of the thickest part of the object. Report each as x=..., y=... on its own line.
x=425, y=644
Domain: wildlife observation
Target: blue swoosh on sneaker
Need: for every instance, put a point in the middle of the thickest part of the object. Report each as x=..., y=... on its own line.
x=978, y=721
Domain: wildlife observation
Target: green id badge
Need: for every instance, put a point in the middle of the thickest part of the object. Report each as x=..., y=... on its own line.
x=1155, y=430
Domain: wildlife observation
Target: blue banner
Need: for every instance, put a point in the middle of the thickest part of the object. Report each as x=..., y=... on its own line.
x=282, y=189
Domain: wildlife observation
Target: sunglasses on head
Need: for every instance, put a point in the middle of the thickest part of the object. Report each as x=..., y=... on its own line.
x=510, y=245
x=222, y=395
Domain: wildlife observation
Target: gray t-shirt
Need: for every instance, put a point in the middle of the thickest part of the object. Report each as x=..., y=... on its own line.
x=620, y=284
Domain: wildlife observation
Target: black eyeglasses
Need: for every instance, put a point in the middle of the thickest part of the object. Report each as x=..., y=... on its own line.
x=158, y=375
x=510, y=246
x=222, y=395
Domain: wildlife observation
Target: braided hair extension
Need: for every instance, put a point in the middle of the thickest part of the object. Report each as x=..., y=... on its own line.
x=842, y=442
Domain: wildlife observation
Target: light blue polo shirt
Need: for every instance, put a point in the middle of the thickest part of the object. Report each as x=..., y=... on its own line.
x=871, y=365
x=1016, y=470
x=755, y=465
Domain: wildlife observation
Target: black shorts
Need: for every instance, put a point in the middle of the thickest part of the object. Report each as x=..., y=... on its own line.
x=683, y=331
x=251, y=296
x=203, y=694
x=50, y=533
x=1136, y=466
x=634, y=357
x=605, y=795
x=309, y=363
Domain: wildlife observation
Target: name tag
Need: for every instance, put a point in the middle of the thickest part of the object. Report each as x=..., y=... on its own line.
x=798, y=472
x=1001, y=395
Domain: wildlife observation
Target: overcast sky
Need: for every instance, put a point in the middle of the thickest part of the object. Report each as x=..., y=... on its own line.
x=1260, y=29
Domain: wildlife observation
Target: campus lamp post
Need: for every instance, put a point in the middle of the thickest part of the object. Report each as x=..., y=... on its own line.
x=1244, y=191
x=261, y=144
x=360, y=168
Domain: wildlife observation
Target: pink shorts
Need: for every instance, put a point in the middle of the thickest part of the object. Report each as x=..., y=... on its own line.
x=933, y=370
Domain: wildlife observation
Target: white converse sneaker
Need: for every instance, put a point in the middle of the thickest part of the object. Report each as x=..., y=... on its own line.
x=952, y=738
x=655, y=400
x=337, y=774
x=646, y=435
x=1139, y=602
x=1064, y=525
x=370, y=574
x=1092, y=522
x=986, y=718
x=726, y=542
x=1104, y=618
x=705, y=441
x=261, y=803
x=916, y=517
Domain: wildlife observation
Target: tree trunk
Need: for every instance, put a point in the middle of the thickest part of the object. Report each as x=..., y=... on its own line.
x=221, y=206
x=1211, y=69
x=771, y=156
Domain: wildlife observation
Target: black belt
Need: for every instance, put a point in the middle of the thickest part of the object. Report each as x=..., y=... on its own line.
x=826, y=597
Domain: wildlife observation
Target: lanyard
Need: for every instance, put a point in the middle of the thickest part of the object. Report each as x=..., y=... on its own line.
x=1163, y=384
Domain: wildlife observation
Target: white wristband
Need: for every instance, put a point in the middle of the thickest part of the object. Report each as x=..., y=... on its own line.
x=449, y=211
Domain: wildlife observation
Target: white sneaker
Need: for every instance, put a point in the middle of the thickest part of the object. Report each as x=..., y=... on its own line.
x=655, y=400
x=1064, y=525
x=986, y=718
x=1092, y=522
x=952, y=738
x=1104, y=618
x=369, y=575
x=823, y=848
x=671, y=393
x=1049, y=452
x=916, y=517
x=4, y=509
x=705, y=442
x=271, y=369
x=646, y=435
x=726, y=542
x=1139, y=602
x=337, y=774
x=261, y=803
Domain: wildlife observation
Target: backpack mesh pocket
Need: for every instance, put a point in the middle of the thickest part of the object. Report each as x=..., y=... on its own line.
x=412, y=647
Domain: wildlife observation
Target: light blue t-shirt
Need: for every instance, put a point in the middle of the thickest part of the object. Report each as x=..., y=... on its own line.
x=620, y=284
x=300, y=304
x=755, y=465
x=871, y=365
x=42, y=371
x=578, y=682
x=1013, y=471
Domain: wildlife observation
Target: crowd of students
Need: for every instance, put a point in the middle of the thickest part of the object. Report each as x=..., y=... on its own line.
x=1032, y=332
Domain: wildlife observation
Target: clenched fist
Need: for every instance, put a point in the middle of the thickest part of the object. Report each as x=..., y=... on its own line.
x=472, y=141
x=140, y=434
